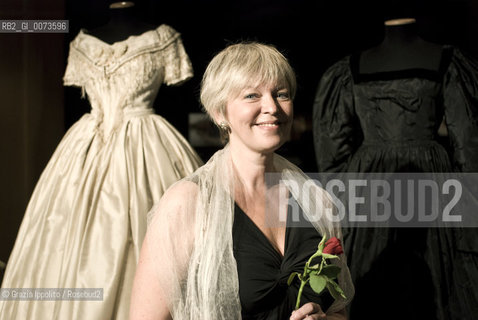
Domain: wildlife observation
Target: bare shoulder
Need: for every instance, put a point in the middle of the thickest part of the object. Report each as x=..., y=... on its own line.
x=177, y=202
x=181, y=189
x=179, y=192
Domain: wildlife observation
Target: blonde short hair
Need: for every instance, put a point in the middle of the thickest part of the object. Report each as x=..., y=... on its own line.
x=237, y=67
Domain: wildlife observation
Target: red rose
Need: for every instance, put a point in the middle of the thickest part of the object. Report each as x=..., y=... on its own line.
x=333, y=246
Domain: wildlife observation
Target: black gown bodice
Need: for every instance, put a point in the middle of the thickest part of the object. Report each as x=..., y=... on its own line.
x=263, y=272
x=390, y=104
x=388, y=121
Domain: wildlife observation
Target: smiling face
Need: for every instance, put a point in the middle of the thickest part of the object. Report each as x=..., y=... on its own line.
x=260, y=118
x=250, y=86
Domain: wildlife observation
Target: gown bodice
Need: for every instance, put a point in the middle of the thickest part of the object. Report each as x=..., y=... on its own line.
x=386, y=115
x=123, y=79
x=388, y=121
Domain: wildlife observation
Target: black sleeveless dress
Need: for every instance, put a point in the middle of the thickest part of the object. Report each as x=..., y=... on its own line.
x=263, y=272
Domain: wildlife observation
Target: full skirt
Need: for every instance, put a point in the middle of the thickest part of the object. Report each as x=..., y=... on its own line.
x=87, y=217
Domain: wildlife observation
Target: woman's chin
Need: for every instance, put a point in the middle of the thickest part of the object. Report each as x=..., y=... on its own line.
x=263, y=144
x=271, y=147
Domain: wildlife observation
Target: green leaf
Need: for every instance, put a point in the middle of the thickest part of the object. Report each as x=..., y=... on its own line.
x=332, y=291
x=330, y=271
x=317, y=283
x=336, y=288
x=291, y=277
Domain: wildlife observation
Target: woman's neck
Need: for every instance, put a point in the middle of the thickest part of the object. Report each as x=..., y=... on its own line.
x=251, y=168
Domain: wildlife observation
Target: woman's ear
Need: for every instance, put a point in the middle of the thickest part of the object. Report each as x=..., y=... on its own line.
x=219, y=117
x=223, y=125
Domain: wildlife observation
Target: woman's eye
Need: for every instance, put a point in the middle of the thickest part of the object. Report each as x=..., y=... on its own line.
x=283, y=95
x=250, y=96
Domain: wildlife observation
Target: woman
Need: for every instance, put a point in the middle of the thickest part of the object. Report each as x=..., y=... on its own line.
x=215, y=248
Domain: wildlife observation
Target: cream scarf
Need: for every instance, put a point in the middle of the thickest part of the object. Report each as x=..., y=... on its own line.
x=192, y=239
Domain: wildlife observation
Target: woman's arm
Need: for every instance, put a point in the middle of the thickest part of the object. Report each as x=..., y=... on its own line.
x=165, y=253
x=147, y=301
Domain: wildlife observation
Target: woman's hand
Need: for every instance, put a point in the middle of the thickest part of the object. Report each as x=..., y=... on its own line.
x=309, y=311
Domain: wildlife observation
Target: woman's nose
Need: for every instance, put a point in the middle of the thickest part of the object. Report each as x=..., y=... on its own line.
x=269, y=104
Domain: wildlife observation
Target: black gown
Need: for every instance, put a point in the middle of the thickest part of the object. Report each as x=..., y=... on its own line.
x=263, y=272
x=388, y=122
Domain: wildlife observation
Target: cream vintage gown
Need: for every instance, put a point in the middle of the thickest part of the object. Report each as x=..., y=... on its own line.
x=85, y=222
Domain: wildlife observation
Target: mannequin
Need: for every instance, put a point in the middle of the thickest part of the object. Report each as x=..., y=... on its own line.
x=401, y=49
x=123, y=22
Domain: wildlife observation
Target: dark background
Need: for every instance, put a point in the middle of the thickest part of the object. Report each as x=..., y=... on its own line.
x=312, y=34
x=36, y=110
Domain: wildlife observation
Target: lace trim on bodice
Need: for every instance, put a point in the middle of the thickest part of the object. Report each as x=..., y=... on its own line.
x=126, y=74
x=108, y=58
